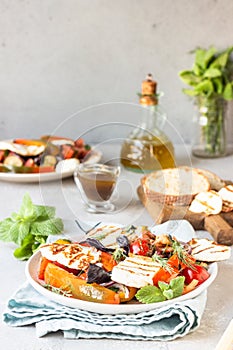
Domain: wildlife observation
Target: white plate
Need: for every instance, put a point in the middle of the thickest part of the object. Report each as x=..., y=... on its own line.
x=32, y=267
x=93, y=157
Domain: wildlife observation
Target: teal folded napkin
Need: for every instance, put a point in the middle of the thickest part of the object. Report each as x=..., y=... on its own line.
x=28, y=307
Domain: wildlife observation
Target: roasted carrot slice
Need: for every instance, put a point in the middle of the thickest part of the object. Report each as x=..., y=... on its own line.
x=46, y=169
x=191, y=286
x=107, y=261
x=127, y=297
x=80, y=289
x=28, y=142
x=43, y=264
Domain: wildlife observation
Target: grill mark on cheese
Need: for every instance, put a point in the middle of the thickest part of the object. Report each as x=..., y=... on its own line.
x=135, y=271
x=205, y=204
x=230, y=188
x=109, y=230
x=138, y=267
x=210, y=249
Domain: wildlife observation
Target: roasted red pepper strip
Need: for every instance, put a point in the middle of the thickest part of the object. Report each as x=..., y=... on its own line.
x=174, y=266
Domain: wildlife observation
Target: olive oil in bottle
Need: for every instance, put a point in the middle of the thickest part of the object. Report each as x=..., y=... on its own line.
x=147, y=148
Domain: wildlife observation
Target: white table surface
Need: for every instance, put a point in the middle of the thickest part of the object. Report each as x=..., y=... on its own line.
x=65, y=197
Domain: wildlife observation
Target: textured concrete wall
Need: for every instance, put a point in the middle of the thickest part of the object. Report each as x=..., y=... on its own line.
x=74, y=66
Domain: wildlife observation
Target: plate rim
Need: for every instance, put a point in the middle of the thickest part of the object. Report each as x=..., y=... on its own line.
x=101, y=308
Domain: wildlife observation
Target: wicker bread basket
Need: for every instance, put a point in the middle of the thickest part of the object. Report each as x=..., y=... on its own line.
x=176, y=186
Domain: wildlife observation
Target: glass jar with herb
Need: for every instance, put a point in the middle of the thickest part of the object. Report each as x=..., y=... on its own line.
x=211, y=81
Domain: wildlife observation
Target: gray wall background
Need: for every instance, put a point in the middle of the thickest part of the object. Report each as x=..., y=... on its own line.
x=73, y=67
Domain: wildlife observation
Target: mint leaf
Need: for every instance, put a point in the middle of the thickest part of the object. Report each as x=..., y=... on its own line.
x=200, y=58
x=14, y=232
x=23, y=230
x=177, y=286
x=169, y=294
x=174, y=288
x=164, y=291
x=218, y=85
x=222, y=59
x=47, y=227
x=38, y=241
x=197, y=70
x=5, y=226
x=163, y=286
x=150, y=294
x=189, y=77
x=205, y=87
x=212, y=73
x=25, y=250
x=228, y=92
x=26, y=210
x=209, y=55
x=44, y=212
x=190, y=92
x=30, y=227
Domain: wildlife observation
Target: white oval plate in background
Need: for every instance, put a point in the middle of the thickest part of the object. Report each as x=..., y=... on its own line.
x=93, y=157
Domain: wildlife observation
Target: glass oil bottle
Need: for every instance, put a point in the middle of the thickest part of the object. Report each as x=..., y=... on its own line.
x=147, y=148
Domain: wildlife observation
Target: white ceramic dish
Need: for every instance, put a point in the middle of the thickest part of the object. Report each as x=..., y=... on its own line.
x=128, y=308
x=94, y=157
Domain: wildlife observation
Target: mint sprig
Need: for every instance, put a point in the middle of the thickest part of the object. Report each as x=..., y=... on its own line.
x=164, y=291
x=211, y=73
x=30, y=227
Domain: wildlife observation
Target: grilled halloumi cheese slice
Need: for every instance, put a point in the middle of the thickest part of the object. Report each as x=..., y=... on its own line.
x=72, y=255
x=107, y=234
x=135, y=271
x=208, y=202
x=22, y=150
x=206, y=250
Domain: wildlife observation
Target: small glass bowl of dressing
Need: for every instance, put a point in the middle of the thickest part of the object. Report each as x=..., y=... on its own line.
x=96, y=183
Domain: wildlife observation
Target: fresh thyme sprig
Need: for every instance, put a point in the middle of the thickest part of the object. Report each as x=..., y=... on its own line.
x=119, y=254
x=182, y=255
x=162, y=262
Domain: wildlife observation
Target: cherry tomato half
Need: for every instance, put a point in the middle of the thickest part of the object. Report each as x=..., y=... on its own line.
x=199, y=273
x=139, y=247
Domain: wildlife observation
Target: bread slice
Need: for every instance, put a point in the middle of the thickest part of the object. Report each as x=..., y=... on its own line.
x=174, y=185
x=216, y=183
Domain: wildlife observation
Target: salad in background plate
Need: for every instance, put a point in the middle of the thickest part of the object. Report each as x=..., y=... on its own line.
x=49, y=158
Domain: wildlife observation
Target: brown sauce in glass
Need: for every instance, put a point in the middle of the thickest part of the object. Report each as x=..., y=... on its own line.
x=98, y=186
